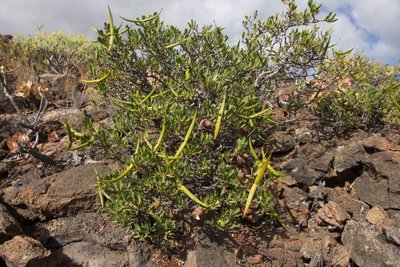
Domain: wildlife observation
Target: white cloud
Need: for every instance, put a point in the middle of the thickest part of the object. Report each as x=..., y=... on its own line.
x=379, y=17
x=373, y=25
x=358, y=20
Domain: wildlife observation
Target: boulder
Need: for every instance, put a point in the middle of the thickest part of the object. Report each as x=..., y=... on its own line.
x=73, y=116
x=209, y=253
x=348, y=202
x=379, y=184
x=23, y=251
x=347, y=157
x=90, y=254
x=93, y=227
x=296, y=204
x=9, y=226
x=392, y=234
x=369, y=248
x=298, y=169
x=283, y=252
x=332, y=215
x=61, y=194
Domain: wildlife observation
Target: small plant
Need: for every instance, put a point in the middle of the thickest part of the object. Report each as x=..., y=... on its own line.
x=189, y=109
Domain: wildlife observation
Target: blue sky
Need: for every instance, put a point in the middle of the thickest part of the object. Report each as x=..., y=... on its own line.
x=369, y=26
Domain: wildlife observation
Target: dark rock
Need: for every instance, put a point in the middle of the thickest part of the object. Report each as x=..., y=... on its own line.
x=281, y=141
x=23, y=251
x=94, y=233
x=288, y=180
x=3, y=169
x=9, y=226
x=379, y=184
x=372, y=191
x=296, y=204
x=322, y=249
x=299, y=170
x=318, y=156
x=347, y=157
x=318, y=195
x=322, y=162
x=392, y=234
x=303, y=135
x=98, y=113
x=139, y=256
x=61, y=194
x=67, y=236
x=256, y=259
x=208, y=253
x=90, y=254
x=367, y=247
x=94, y=227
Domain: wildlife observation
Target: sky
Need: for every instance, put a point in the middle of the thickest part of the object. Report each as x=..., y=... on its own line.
x=368, y=26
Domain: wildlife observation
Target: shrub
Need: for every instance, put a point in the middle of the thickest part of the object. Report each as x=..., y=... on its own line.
x=56, y=52
x=189, y=109
x=355, y=92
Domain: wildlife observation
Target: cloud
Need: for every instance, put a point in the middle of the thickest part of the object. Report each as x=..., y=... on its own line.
x=368, y=25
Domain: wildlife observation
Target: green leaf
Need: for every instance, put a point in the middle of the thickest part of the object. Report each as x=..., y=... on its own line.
x=139, y=21
x=219, y=119
x=262, y=167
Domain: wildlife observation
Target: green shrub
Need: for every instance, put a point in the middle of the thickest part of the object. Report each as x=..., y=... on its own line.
x=189, y=109
x=356, y=92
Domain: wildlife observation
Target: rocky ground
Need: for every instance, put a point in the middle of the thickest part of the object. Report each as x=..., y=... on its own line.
x=339, y=199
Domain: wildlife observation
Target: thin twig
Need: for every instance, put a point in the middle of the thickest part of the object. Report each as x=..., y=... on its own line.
x=11, y=97
x=34, y=152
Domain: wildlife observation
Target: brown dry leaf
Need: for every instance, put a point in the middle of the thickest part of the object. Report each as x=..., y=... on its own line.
x=40, y=90
x=53, y=137
x=12, y=144
x=17, y=137
x=23, y=89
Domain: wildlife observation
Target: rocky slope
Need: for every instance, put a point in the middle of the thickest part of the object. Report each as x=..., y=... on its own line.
x=339, y=199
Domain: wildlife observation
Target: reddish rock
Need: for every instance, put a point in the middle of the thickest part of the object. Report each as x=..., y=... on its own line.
x=376, y=215
x=340, y=256
x=376, y=143
x=283, y=252
x=332, y=215
x=349, y=203
x=23, y=251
